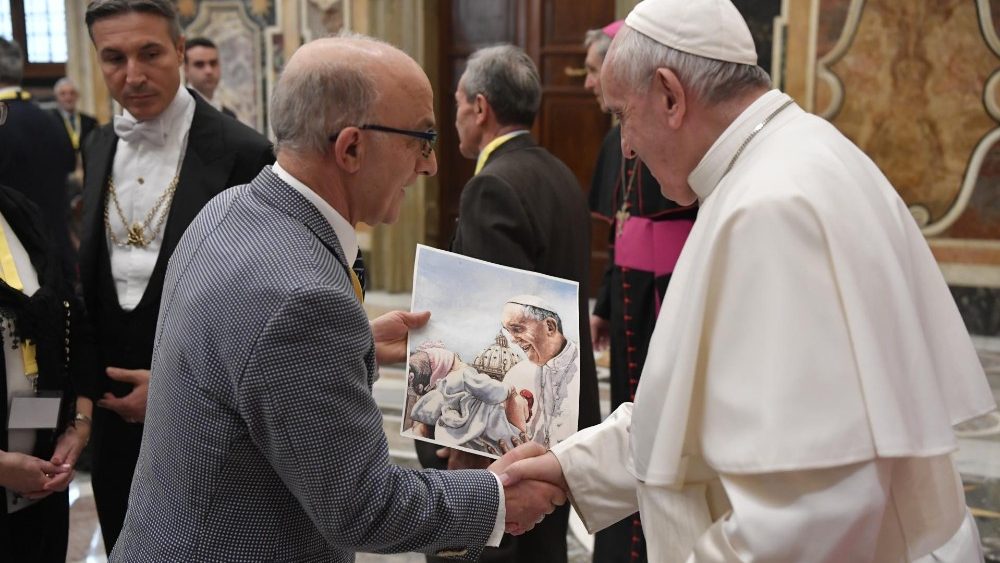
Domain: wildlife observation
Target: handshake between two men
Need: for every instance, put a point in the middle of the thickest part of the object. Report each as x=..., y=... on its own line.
x=533, y=486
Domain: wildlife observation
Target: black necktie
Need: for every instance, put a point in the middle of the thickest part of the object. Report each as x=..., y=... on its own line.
x=359, y=270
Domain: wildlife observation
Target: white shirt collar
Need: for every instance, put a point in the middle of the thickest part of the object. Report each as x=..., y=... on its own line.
x=169, y=118
x=709, y=171
x=344, y=231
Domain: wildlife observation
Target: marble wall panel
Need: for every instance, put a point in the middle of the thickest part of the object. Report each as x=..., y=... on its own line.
x=323, y=18
x=910, y=84
x=244, y=32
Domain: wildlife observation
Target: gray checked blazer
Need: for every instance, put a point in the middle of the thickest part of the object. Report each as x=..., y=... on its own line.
x=262, y=439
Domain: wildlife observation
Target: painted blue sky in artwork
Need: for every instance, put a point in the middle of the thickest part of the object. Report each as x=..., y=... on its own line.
x=466, y=296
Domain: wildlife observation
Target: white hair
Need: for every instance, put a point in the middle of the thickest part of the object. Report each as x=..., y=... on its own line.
x=597, y=37
x=634, y=58
x=62, y=82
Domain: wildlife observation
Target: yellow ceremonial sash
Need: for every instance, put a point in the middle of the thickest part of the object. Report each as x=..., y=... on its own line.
x=15, y=95
x=73, y=129
x=8, y=272
x=494, y=145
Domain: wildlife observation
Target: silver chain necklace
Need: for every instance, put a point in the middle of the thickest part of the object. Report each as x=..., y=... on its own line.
x=753, y=134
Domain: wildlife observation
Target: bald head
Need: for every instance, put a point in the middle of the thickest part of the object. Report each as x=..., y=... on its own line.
x=343, y=80
x=353, y=118
x=366, y=54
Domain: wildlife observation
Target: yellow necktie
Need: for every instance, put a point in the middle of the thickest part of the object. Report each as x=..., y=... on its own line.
x=357, y=285
x=8, y=272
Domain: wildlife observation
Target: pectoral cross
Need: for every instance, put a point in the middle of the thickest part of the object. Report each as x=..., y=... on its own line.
x=621, y=216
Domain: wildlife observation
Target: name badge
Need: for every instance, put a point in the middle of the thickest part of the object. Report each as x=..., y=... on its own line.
x=34, y=412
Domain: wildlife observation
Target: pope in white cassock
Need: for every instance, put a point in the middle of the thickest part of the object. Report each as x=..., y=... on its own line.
x=808, y=362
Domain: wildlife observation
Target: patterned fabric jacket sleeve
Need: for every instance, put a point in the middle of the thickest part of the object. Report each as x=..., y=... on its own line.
x=367, y=504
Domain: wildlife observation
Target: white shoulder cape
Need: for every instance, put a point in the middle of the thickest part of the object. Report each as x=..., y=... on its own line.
x=807, y=324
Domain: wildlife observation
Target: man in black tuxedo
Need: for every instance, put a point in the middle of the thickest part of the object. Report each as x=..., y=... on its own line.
x=524, y=209
x=77, y=124
x=35, y=153
x=202, y=71
x=147, y=176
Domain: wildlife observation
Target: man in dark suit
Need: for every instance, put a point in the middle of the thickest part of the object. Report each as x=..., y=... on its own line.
x=524, y=209
x=202, y=71
x=147, y=176
x=35, y=153
x=77, y=124
x=263, y=440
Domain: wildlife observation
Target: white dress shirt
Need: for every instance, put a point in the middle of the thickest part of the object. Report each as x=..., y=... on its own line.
x=349, y=243
x=142, y=171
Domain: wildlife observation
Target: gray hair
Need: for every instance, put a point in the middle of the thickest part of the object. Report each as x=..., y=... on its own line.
x=11, y=63
x=540, y=314
x=307, y=107
x=597, y=37
x=507, y=77
x=635, y=58
x=62, y=82
x=100, y=9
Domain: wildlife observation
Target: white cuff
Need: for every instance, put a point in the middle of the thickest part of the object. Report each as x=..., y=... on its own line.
x=494, y=539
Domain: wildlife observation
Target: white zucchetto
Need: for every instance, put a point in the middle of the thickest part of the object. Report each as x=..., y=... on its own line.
x=533, y=301
x=708, y=28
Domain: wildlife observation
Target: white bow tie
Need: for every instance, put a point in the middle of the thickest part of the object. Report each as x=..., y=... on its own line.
x=130, y=131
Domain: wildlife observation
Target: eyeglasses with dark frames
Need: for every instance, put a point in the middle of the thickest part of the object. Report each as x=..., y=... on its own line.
x=428, y=138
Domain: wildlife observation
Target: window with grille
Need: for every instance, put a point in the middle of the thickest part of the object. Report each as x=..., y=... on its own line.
x=6, y=27
x=39, y=27
x=45, y=31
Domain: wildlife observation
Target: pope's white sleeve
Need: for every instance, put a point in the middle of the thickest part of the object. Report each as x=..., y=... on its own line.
x=593, y=461
x=820, y=515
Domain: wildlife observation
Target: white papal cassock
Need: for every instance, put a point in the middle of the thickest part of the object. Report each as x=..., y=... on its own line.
x=805, y=372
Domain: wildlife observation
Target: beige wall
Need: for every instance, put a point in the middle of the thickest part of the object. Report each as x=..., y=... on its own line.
x=623, y=7
x=410, y=25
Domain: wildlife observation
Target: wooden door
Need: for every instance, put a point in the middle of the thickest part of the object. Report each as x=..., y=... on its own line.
x=569, y=124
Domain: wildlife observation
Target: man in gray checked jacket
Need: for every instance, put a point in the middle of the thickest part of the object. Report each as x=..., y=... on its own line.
x=262, y=439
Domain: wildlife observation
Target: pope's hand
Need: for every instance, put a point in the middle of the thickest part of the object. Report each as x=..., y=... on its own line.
x=527, y=500
x=131, y=407
x=544, y=468
x=390, y=331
